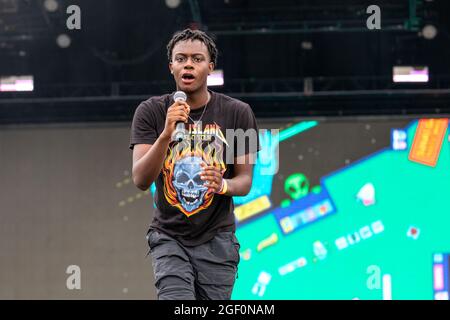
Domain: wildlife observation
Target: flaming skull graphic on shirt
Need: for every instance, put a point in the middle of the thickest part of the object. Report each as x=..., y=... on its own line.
x=187, y=182
x=183, y=187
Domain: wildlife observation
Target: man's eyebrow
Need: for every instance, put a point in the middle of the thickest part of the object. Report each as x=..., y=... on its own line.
x=184, y=54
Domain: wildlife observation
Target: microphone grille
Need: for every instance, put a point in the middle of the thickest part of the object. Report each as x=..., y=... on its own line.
x=179, y=95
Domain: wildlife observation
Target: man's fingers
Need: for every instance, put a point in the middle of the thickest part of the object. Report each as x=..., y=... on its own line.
x=180, y=113
x=212, y=173
x=178, y=110
x=181, y=118
x=209, y=177
x=211, y=181
x=180, y=105
x=213, y=186
x=185, y=106
x=206, y=167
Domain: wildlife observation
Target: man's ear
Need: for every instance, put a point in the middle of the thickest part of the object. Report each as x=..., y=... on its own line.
x=211, y=67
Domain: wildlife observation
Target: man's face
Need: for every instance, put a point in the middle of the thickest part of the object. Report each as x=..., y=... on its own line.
x=190, y=65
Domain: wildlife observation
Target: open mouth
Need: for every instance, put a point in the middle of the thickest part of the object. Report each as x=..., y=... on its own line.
x=187, y=78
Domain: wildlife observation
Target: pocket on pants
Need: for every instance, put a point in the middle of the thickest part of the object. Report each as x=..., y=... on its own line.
x=228, y=243
x=152, y=238
x=216, y=285
x=237, y=246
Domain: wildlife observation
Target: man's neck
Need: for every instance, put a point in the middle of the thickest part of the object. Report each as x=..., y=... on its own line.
x=198, y=99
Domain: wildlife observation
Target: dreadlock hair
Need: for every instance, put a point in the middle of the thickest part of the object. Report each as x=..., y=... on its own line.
x=189, y=34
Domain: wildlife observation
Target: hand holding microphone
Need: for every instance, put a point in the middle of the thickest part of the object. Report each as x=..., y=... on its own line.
x=177, y=115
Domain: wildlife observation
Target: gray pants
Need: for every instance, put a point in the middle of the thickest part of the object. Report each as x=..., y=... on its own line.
x=204, y=272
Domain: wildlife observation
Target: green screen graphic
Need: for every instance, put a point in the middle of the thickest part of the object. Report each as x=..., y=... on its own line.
x=352, y=214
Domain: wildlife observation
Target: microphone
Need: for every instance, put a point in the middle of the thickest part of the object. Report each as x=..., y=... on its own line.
x=178, y=135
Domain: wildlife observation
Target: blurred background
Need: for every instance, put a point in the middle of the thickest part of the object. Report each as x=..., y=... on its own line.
x=364, y=144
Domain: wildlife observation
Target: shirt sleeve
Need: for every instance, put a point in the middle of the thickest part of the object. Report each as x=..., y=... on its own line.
x=250, y=136
x=143, y=127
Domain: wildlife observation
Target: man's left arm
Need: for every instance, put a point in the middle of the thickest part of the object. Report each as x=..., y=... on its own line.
x=241, y=183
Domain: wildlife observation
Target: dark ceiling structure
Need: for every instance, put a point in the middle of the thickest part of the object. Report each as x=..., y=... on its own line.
x=285, y=58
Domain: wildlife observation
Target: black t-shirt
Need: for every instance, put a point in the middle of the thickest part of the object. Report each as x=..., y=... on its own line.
x=184, y=208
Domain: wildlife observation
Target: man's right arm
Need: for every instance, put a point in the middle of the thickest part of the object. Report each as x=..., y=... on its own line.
x=147, y=161
x=148, y=158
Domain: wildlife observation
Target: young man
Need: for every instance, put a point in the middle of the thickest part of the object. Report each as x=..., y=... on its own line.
x=194, y=250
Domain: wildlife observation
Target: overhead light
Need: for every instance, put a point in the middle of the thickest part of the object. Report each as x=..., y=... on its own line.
x=307, y=45
x=51, y=5
x=16, y=83
x=63, y=41
x=410, y=74
x=172, y=4
x=429, y=32
x=215, y=78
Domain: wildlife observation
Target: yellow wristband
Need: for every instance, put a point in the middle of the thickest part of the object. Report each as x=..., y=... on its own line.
x=224, y=188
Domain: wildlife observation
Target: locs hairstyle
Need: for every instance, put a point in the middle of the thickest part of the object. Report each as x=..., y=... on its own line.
x=188, y=34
